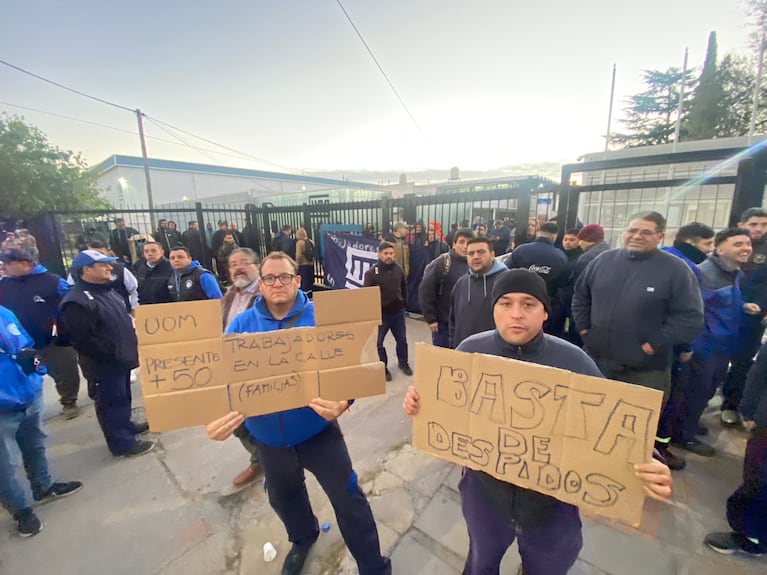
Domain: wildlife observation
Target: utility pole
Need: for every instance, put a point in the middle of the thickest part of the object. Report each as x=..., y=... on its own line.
x=680, y=106
x=610, y=111
x=757, y=88
x=140, y=118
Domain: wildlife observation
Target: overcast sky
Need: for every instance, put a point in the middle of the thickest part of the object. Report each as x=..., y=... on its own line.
x=490, y=82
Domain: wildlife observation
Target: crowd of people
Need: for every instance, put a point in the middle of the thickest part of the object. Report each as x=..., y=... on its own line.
x=683, y=320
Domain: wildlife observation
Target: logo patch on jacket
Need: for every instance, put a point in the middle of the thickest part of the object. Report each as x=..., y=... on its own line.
x=13, y=329
x=650, y=289
x=188, y=284
x=759, y=258
x=38, y=299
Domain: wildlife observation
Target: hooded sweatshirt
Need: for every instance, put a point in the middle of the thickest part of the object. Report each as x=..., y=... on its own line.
x=523, y=506
x=390, y=278
x=471, y=309
x=723, y=303
x=284, y=428
x=34, y=299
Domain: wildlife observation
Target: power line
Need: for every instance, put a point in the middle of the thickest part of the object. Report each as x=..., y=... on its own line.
x=175, y=142
x=78, y=92
x=221, y=145
x=180, y=139
x=380, y=68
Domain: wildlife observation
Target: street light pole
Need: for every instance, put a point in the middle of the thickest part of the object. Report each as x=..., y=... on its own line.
x=139, y=116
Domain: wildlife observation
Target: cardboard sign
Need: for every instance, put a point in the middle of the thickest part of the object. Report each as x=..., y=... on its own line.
x=569, y=436
x=192, y=374
x=181, y=321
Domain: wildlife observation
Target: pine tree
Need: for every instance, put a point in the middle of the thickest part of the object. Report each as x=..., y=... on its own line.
x=706, y=107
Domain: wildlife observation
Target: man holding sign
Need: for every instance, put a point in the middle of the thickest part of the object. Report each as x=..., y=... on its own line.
x=498, y=512
x=307, y=438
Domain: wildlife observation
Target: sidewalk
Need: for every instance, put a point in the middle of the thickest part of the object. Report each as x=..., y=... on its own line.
x=172, y=511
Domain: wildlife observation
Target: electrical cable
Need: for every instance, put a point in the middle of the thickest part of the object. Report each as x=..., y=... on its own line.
x=380, y=68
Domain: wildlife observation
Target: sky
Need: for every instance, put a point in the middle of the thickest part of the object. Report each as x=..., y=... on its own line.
x=289, y=86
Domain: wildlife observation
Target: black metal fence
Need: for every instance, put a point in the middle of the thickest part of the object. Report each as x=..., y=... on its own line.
x=59, y=234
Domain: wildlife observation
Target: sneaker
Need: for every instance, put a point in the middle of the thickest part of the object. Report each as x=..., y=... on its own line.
x=141, y=428
x=57, y=490
x=133, y=377
x=70, y=411
x=698, y=447
x=673, y=461
x=388, y=374
x=27, y=523
x=247, y=476
x=294, y=561
x=728, y=543
x=139, y=448
x=405, y=368
x=730, y=417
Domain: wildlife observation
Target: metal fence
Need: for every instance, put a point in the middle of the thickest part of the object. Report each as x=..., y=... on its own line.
x=60, y=234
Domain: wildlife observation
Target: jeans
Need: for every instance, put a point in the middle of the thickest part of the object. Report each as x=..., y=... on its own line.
x=747, y=507
x=61, y=361
x=549, y=549
x=706, y=373
x=441, y=337
x=21, y=431
x=396, y=323
x=327, y=457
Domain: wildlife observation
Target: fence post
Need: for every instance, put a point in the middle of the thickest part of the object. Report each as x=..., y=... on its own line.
x=386, y=206
x=203, y=234
x=267, y=228
x=307, y=225
x=523, y=215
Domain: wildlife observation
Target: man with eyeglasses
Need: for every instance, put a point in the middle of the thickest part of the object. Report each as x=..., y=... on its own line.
x=307, y=438
x=633, y=304
x=241, y=295
x=471, y=309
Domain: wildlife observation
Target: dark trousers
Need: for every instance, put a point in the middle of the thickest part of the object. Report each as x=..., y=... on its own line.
x=247, y=441
x=706, y=373
x=441, y=337
x=306, y=272
x=747, y=507
x=555, y=325
x=654, y=379
x=326, y=456
x=749, y=340
x=550, y=549
x=669, y=424
x=112, y=397
x=61, y=361
x=396, y=323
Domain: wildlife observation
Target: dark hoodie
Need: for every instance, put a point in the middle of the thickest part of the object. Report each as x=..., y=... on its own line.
x=517, y=504
x=471, y=309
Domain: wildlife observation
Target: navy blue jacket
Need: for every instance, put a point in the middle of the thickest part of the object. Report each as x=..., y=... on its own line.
x=436, y=287
x=34, y=299
x=523, y=506
x=626, y=299
x=101, y=330
x=284, y=428
x=544, y=258
x=723, y=305
x=284, y=243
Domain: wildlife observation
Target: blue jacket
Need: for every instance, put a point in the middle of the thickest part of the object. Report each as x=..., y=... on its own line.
x=34, y=299
x=17, y=390
x=284, y=428
x=681, y=255
x=722, y=304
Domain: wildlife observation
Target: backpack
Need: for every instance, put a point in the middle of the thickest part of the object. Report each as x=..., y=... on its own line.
x=446, y=261
x=309, y=249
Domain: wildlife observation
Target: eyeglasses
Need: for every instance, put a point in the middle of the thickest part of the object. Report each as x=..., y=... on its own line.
x=643, y=233
x=270, y=280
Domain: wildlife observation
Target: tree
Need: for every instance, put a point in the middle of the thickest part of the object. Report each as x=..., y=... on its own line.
x=651, y=115
x=707, y=104
x=36, y=176
x=738, y=79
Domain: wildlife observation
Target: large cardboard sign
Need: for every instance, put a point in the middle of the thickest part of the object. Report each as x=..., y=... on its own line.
x=570, y=436
x=191, y=373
